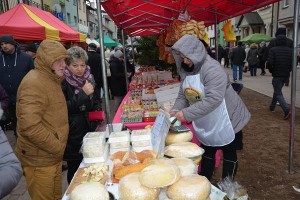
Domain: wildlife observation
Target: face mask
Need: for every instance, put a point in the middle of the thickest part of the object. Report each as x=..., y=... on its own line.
x=186, y=68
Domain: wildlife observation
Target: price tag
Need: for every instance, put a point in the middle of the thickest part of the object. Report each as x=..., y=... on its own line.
x=159, y=132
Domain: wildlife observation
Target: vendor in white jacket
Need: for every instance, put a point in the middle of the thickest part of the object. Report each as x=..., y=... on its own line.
x=207, y=99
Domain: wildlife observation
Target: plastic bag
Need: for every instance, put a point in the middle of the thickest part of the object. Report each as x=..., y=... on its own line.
x=234, y=190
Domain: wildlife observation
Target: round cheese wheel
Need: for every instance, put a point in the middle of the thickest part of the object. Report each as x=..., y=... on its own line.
x=179, y=137
x=190, y=188
x=186, y=166
x=159, y=175
x=131, y=188
x=183, y=150
x=89, y=190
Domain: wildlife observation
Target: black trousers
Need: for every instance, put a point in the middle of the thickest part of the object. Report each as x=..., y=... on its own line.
x=229, y=157
x=73, y=165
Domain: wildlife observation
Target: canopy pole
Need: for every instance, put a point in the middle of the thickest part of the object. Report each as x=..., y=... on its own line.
x=216, y=39
x=125, y=63
x=132, y=47
x=293, y=84
x=101, y=41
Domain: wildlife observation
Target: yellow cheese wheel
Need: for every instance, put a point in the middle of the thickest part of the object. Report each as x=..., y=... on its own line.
x=131, y=188
x=159, y=175
x=190, y=188
x=178, y=137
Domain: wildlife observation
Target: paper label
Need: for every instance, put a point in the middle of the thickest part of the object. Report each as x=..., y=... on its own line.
x=159, y=132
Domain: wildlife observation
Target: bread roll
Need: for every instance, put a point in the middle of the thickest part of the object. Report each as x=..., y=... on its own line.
x=131, y=188
x=89, y=190
x=179, y=137
x=186, y=166
x=183, y=150
x=193, y=187
x=159, y=175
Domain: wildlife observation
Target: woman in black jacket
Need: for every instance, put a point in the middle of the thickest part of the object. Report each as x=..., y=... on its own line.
x=78, y=88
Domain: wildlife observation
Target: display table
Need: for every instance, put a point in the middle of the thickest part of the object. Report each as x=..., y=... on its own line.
x=141, y=125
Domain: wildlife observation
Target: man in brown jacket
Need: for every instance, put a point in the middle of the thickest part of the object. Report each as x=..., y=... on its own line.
x=43, y=122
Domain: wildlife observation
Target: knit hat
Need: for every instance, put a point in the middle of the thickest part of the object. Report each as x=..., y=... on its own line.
x=31, y=47
x=280, y=31
x=8, y=38
x=118, y=54
x=93, y=46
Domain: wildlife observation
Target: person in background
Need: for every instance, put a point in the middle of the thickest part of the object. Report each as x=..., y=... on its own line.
x=119, y=87
x=226, y=56
x=4, y=102
x=237, y=56
x=261, y=57
x=94, y=62
x=14, y=65
x=78, y=88
x=221, y=53
x=279, y=62
x=31, y=49
x=207, y=99
x=288, y=42
x=252, y=59
x=10, y=167
x=43, y=122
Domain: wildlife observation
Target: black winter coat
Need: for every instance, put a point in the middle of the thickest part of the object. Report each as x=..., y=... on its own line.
x=13, y=67
x=238, y=55
x=280, y=58
x=118, y=78
x=78, y=107
x=94, y=61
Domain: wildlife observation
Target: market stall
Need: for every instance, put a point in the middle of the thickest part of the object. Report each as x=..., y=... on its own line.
x=28, y=23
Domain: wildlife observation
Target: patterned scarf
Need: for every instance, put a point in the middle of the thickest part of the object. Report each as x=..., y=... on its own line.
x=78, y=81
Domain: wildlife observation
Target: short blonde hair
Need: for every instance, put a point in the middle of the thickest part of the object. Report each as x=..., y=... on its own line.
x=75, y=53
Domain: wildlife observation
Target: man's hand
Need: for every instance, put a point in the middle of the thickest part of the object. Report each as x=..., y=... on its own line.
x=88, y=88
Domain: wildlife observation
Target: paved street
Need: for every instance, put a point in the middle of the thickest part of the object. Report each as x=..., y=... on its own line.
x=261, y=84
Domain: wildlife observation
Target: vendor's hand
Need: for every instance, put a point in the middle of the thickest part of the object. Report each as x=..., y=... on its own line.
x=179, y=115
x=88, y=88
x=129, y=74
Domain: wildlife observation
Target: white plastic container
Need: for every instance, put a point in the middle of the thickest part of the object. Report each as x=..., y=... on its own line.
x=112, y=151
x=139, y=149
x=121, y=136
x=141, y=138
x=97, y=158
x=116, y=128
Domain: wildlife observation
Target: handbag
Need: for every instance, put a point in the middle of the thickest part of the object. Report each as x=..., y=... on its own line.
x=96, y=116
x=245, y=68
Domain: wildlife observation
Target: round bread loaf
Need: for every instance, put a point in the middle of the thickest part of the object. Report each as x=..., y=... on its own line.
x=190, y=188
x=186, y=166
x=131, y=188
x=159, y=175
x=183, y=150
x=179, y=137
x=89, y=190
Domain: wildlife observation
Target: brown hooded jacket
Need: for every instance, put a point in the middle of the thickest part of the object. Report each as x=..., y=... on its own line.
x=42, y=111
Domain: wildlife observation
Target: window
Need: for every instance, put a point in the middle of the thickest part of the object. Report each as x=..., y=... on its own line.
x=75, y=20
x=74, y=2
x=79, y=4
x=69, y=18
x=285, y=3
x=80, y=21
